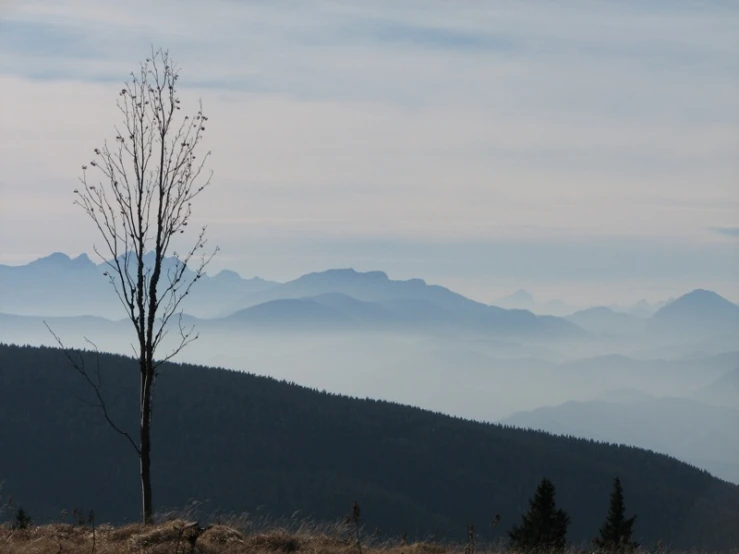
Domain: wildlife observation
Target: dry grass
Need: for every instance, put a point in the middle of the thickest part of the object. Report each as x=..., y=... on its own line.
x=174, y=536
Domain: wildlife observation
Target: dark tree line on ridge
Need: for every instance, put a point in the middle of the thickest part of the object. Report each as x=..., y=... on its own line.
x=243, y=443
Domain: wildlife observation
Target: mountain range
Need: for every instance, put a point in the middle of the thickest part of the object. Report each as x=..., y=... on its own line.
x=333, y=298
x=524, y=300
x=345, y=298
x=699, y=312
x=57, y=285
x=597, y=373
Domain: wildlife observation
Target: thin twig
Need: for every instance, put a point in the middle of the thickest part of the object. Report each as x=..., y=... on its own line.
x=80, y=368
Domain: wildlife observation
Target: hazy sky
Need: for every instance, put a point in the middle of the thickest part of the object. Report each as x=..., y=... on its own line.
x=587, y=150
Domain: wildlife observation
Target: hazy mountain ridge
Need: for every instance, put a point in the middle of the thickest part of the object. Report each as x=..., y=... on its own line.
x=604, y=320
x=524, y=300
x=34, y=288
x=724, y=391
x=288, y=312
x=692, y=431
x=344, y=297
x=698, y=309
x=333, y=298
x=370, y=286
x=482, y=375
x=340, y=311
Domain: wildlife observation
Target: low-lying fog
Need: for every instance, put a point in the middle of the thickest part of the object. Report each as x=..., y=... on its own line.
x=621, y=398
x=669, y=382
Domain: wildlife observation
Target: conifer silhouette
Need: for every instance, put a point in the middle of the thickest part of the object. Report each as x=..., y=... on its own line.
x=615, y=535
x=544, y=527
x=22, y=520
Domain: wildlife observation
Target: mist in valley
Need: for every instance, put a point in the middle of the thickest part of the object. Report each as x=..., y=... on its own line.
x=668, y=381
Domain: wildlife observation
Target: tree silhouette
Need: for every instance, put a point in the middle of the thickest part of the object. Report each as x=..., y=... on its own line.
x=22, y=520
x=140, y=202
x=544, y=526
x=615, y=534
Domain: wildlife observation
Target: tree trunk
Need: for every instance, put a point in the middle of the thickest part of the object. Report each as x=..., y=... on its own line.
x=145, y=454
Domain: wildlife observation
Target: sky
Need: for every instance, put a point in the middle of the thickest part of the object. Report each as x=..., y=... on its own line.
x=583, y=150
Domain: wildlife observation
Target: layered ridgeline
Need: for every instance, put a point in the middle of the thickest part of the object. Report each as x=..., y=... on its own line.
x=245, y=443
x=57, y=285
x=330, y=300
x=344, y=300
x=349, y=300
x=699, y=433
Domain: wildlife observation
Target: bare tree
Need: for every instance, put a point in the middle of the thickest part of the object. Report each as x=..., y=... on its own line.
x=139, y=194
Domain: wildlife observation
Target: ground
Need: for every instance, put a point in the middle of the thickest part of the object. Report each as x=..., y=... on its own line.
x=182, y=536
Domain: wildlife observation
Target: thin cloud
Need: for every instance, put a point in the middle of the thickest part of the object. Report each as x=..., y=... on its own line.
x=394, y=120
x=397, y=33
x=726, y=231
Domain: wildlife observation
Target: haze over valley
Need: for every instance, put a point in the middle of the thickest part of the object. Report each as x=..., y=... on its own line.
x=647, y=380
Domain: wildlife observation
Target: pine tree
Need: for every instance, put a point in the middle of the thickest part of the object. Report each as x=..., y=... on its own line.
x=22, y=520
x=615, y=535
x=544, y=527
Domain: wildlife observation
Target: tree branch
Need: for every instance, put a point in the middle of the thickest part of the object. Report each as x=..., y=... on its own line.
x=79, y=366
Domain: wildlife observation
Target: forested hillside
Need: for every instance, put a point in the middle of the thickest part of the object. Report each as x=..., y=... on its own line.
x=243, y=443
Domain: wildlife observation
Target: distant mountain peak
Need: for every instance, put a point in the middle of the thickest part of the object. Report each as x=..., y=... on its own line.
x=519, y=300
x=700, y=299
x=643, y=308
x=83, y=259
x=521, y=295
x=345, y=275
x=700, y=308
x=60, y=259
x=227, y=274
x=53, y=258
x=703, y=294
x=596, y=310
